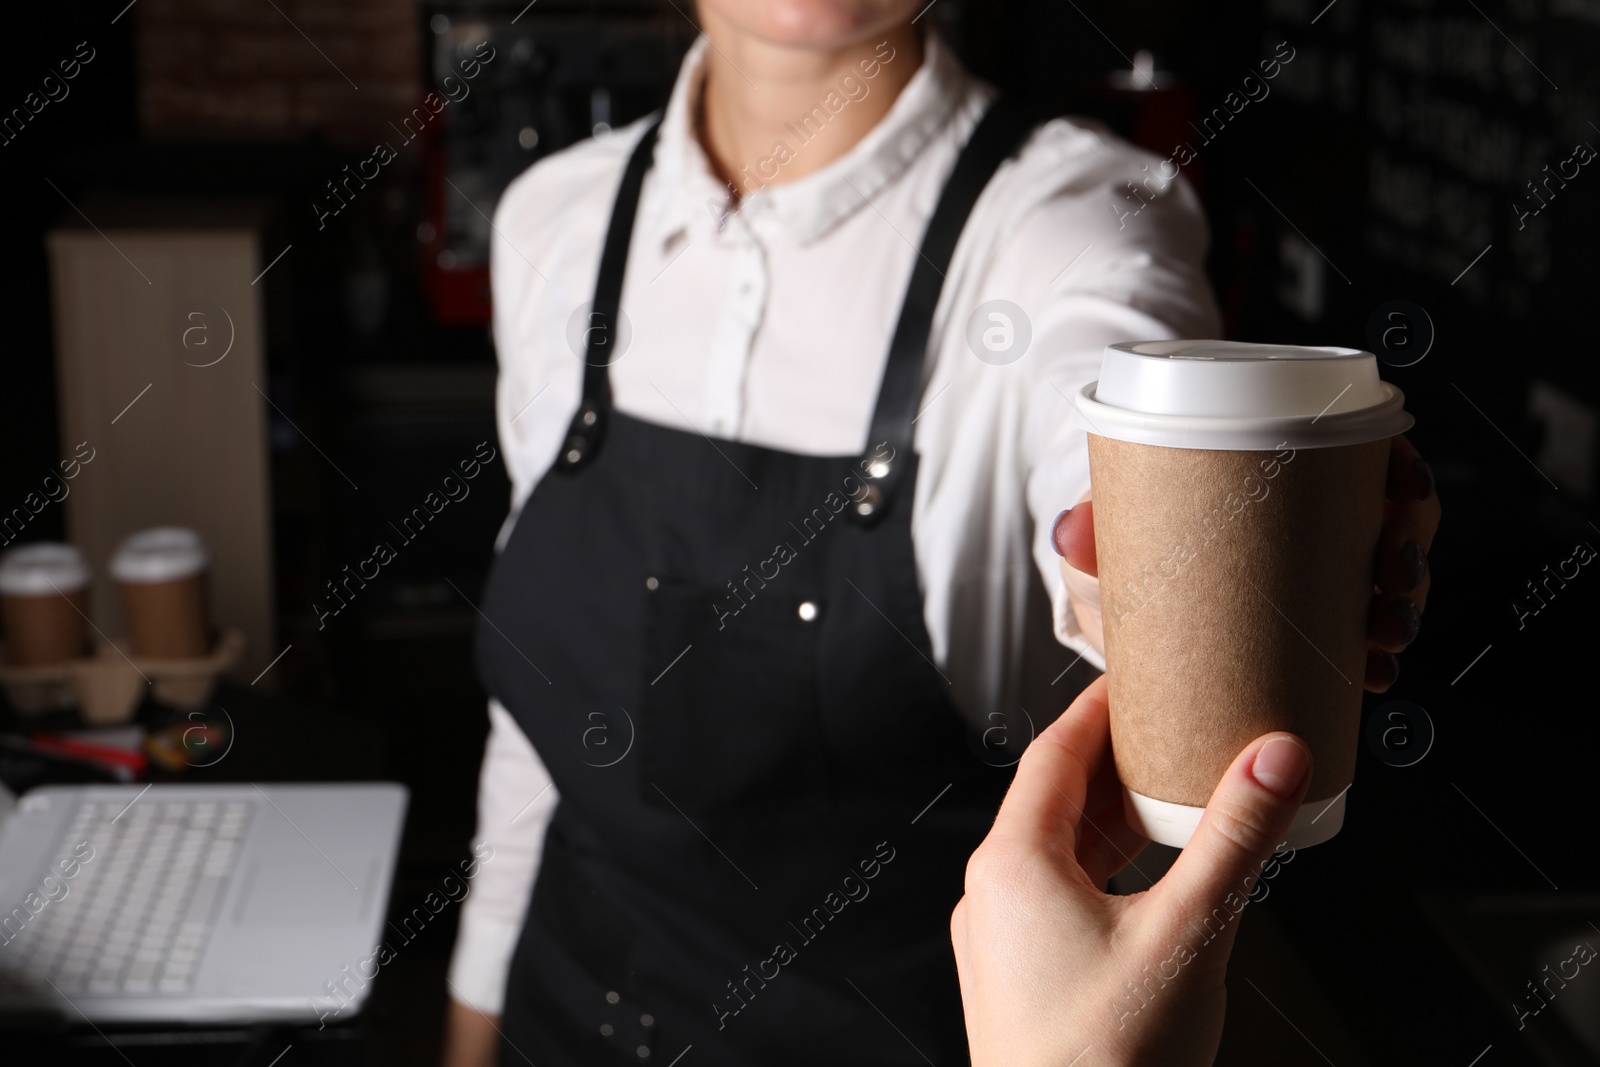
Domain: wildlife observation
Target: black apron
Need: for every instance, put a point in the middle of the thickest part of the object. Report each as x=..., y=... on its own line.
x=767, y=796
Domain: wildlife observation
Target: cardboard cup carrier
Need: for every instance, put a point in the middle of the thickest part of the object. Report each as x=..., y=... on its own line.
x=44, y=590
x=162, y=575
x=1238, y=496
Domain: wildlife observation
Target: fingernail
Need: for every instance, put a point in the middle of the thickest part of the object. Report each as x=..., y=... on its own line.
x=1425, y=473
x=1055, y=531
x=1389, y=659
x=1280, y=766
x=1416, y=563
x=1410, y=617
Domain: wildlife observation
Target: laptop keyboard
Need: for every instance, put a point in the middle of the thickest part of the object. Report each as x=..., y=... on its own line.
x=136, y=917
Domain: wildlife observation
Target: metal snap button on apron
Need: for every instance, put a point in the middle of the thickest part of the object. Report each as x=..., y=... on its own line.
x=807, y=611
x=869, y=502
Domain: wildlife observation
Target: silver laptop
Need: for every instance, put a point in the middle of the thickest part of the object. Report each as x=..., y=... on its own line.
x=228, y=903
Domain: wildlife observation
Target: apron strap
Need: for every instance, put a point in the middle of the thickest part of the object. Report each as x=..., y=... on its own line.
x=588, y=427
x=998, y=134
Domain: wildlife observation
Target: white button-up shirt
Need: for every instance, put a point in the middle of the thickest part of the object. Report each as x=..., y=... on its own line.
x=770, y=324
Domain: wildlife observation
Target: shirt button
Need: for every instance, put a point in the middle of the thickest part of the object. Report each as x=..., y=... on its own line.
x=808, y=611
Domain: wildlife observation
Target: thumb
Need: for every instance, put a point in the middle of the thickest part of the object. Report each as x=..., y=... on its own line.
x=1246, y=820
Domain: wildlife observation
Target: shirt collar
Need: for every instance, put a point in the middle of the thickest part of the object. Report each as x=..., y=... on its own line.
x=693, y=201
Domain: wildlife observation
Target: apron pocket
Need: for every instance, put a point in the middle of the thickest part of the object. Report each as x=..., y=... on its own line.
x=731, y=726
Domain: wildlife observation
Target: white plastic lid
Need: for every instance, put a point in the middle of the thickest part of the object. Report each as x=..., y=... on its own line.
x=43, y=569
x=159, y=554
x=1234, y=395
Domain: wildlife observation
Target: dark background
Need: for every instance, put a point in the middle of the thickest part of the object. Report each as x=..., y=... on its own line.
x=1383, y=167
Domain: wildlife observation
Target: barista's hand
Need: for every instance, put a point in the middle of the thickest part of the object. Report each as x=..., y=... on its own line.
x=1400, y=566
x=471, y=1038
x=1049, y=963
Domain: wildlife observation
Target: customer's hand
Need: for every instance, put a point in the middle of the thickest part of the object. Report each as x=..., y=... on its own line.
x=1399, y=569
x=1054, y=972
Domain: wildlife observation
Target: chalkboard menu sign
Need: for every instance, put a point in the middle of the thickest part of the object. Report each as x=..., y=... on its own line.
x=1453, y=154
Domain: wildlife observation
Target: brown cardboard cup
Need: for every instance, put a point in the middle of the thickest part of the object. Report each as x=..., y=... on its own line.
x=1237, y=505
x=161, y=573
x=44, y=600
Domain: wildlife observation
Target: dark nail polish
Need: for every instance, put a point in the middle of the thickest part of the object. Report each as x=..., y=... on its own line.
x=1055, y=531
x=1410, y=617
x=1425, y=477
x=1416, y=563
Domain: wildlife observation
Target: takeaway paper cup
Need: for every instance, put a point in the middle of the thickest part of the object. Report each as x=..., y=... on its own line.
x=1238, y=497
x=44, y=598
x=162, y=575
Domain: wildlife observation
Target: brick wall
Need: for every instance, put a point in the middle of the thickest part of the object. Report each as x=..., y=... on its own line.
x=245, y=70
